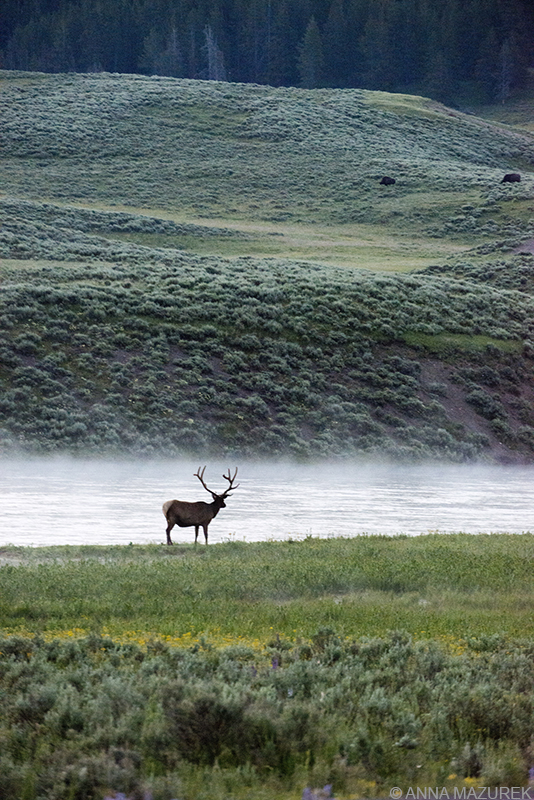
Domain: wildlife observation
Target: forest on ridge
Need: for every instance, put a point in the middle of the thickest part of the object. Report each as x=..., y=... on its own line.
x=456, y=51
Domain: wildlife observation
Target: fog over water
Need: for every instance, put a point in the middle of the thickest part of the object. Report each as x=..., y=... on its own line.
x=47, y=501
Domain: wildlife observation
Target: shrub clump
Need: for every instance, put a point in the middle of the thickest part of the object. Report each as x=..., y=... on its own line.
x=83, y=717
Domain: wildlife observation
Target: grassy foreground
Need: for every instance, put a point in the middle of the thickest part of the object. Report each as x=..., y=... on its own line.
x=435, y=585
x=254, y=670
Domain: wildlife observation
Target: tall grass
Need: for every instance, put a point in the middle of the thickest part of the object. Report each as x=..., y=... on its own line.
x=435, y=585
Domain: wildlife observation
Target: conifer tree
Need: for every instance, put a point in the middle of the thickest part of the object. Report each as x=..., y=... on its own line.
x=256, y=40
x=449, y=49
x=486, y=67
x=439, y=82
x=194, y=43
x=505, y=72
x=338, y=46
x=378, y=72
x=281, y=68
x=164, y=58
x=310, y=64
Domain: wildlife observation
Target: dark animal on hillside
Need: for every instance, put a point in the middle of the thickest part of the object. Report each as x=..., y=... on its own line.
x=511, y=177
x=387, y=181
x=187, y=515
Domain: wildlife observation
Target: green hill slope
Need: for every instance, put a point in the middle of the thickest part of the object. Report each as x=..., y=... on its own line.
x=179, y=272
x=239, y=149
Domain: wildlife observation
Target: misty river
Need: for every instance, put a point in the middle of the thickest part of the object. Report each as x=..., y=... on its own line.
x=60, y=500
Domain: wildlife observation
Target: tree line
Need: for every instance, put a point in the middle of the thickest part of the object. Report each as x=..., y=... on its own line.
x=457, y=51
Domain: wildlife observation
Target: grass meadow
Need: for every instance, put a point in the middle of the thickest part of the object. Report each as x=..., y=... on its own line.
x=253, y=670
x=435, y=585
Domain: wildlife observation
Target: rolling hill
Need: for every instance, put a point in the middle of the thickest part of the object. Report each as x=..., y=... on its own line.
x=215, y=267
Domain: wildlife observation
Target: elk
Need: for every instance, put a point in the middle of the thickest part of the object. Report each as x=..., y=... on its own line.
x=387, y=181
x=199, y=515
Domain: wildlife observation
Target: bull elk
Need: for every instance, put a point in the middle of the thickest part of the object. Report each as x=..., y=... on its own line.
x=199, y=515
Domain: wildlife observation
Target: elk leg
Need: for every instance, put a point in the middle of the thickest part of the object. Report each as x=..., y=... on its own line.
x=196, y=532
x=170, y=526
x=205, y=527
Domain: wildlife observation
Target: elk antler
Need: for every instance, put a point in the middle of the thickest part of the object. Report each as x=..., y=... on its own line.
x=200, y=476
x=230, y=479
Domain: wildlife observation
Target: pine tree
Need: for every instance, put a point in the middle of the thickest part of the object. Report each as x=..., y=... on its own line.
x=451, y=49
x=337, y=46
x=518, y=28
x=438, y=82
x=406, y=43
x=486, y=67
x=310, y=64
x=256, y=40
x=378, y=67
x=163, y=58
x=283, y=52
x=194, y=44
x=505, y=72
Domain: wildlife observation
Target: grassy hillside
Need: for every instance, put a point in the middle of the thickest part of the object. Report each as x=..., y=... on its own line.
x=216, y=268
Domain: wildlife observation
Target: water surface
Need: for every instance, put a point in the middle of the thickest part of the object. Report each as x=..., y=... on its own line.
x=48, y=501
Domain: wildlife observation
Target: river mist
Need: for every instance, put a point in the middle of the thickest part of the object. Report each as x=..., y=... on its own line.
x=60, y=500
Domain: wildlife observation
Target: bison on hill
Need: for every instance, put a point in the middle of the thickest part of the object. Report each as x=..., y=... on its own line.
x=387, y=181
x=511, y=177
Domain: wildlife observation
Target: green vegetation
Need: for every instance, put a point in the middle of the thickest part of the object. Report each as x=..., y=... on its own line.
x=171, y=352
x=238, y=151
x=253, y=670
x=366, y=585
x=166, y=290
x=473, y=51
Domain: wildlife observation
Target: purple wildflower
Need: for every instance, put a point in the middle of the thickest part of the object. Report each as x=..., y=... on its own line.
x=318, y=794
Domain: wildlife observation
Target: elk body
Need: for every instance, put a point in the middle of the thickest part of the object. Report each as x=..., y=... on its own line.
x=512, y=177
x=197, y=515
